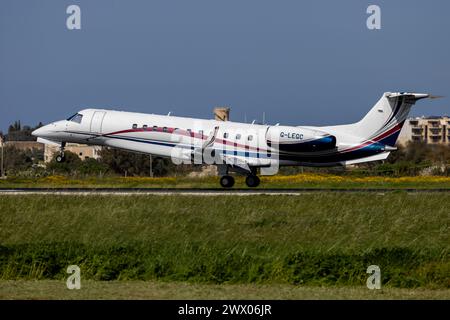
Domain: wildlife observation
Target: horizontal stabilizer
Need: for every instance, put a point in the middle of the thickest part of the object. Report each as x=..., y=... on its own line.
x=415, y=96
x=377, y=157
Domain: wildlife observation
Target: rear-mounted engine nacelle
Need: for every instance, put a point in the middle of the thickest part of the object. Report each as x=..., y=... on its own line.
x=297, y=139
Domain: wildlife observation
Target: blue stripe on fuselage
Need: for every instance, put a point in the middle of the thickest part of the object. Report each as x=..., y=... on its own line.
x=366, y=151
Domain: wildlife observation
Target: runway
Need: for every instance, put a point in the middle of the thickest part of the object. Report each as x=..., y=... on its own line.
x=205, y=191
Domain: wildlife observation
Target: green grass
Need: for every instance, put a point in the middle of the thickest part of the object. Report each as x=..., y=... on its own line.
x=56, y=289
x=300, y=181
x=323, y=239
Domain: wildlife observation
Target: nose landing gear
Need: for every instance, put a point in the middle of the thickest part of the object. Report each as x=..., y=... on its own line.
x=60, y=157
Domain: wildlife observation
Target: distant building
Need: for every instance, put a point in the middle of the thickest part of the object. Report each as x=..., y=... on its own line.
x=222, y=113
x=81, y=150
x=433, y=130
x=25, y=145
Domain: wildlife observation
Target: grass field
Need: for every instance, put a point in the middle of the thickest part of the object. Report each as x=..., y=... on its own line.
x=307, y=180
x=301, y=242
x=54, y=289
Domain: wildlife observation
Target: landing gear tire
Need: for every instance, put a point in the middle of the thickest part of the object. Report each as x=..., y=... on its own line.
x=227, y=181
x=60, y=158
x=252, y=181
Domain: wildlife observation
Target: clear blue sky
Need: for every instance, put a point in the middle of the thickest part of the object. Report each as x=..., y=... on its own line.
x=302, y=62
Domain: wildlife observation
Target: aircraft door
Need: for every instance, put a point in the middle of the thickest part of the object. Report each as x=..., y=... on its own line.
x=97, y=121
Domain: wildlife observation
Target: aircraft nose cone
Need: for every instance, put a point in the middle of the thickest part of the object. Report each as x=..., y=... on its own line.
x=38, y=132
x=35, y=133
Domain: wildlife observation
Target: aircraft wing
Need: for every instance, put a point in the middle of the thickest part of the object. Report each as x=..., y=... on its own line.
x=47, y=141
x=381, y=156
x=207, y=144
x=212, y=137
x=236, y=162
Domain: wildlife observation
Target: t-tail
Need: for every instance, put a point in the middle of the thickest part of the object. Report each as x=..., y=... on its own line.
x=385, y=120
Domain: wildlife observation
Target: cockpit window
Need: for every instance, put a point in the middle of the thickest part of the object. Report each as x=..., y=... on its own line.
x=76, y=118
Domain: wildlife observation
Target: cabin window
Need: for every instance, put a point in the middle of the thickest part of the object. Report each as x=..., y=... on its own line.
x=145, y=127
x=134, y=125
x=164, y=129
x=189, y=131
x=225, y=135
x=155, y=128
x=238, y=136
x=250, y=138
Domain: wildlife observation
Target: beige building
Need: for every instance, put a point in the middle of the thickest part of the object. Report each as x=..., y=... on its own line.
x=25, y=145
x=83, y=151
x=433, y=130
x=222, y=113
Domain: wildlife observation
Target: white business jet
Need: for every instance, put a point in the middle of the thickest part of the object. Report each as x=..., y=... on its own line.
x=238, y=147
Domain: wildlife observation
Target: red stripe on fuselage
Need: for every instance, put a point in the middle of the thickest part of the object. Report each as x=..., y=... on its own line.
x=376, y=139
x=187, y=134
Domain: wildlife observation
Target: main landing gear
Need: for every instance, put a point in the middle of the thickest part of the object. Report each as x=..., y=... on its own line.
x=60, y=157
x=252, y=181
x=227, y=181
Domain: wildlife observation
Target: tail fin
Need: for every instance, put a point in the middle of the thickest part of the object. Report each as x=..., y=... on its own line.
x=385, y=120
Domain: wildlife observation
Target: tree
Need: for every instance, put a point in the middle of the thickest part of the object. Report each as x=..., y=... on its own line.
x=70, y=165
x=17, y=132
x=92, y=166
x=17, y=160
x=136, y=164
x=73, y=165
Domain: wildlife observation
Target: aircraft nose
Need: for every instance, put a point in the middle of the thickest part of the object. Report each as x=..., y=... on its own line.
x=39, y=131
x=36, y=132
